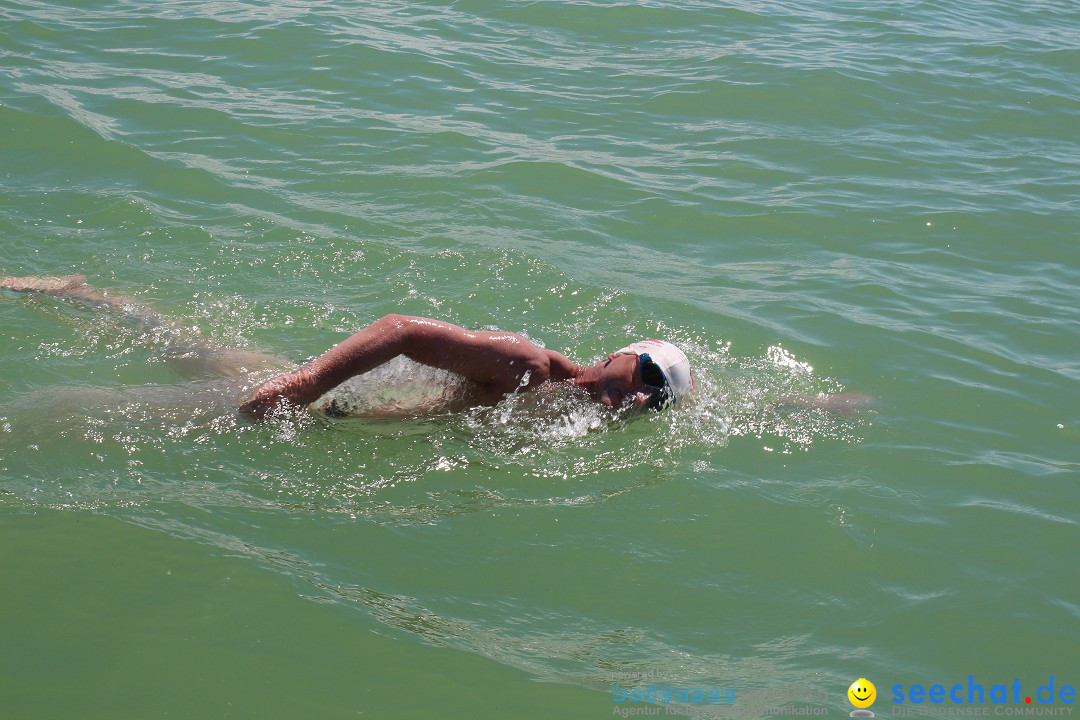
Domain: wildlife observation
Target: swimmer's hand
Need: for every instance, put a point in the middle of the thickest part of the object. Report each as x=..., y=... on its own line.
x=293, y=388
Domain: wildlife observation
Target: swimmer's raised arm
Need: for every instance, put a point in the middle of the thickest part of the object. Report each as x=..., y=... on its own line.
x=498, y=362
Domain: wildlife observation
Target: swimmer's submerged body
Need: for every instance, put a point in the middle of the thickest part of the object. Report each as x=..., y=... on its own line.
x=650, y=374
x=190, y=354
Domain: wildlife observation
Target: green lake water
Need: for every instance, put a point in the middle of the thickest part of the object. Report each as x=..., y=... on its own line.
x=880, y=199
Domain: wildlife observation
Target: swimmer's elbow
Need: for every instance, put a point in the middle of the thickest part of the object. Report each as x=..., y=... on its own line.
x=393, y=319
x=405, y=327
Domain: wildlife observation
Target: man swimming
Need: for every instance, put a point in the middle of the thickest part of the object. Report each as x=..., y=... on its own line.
x=646, y=374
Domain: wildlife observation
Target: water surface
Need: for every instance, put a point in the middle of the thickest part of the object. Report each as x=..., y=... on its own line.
x=823, y=197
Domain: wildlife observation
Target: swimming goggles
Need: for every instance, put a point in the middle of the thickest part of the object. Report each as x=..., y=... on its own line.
x=655, y=379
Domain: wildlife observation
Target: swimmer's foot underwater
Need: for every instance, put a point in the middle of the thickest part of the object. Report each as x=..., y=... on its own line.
x=649, y=374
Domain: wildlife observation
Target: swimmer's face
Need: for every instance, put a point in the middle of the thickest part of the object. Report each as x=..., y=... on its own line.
x=621, y=384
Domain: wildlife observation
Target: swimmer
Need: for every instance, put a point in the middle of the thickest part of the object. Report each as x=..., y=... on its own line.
x=647, y=374
x=650, y=374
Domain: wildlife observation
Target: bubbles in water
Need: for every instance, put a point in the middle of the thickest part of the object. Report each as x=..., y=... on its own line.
x=773, y=396
x=781, y=358
x=524, y=423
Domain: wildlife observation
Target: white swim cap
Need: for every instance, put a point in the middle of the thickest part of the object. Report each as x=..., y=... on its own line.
x=670, y=360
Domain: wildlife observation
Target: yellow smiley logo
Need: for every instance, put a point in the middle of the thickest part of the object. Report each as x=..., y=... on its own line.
x=862, y=693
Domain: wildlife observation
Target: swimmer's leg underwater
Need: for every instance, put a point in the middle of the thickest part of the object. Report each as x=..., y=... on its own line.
x=190, y=355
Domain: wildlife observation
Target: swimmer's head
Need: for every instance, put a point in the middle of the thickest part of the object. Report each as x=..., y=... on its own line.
x=664, y=369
